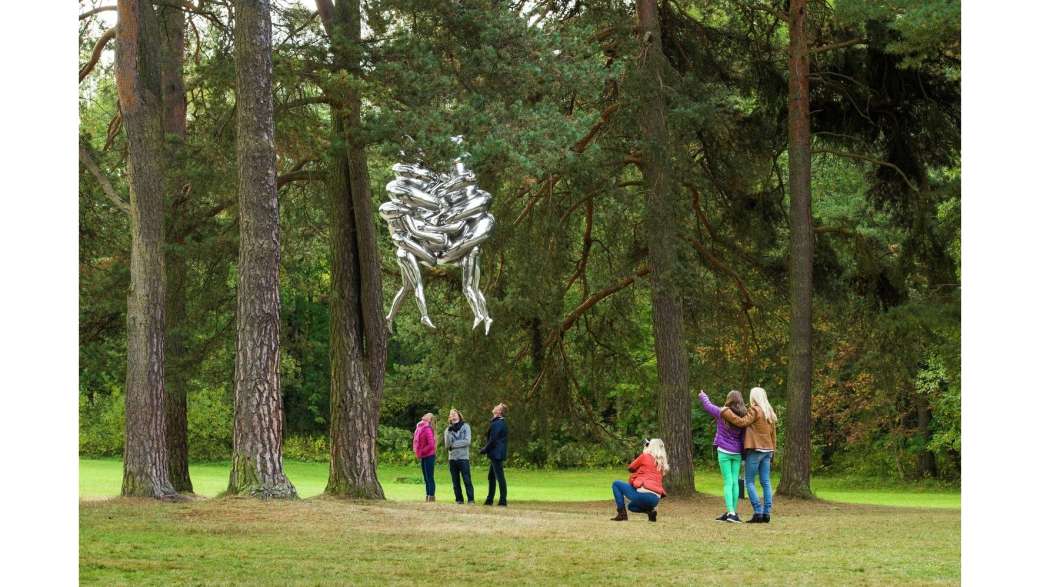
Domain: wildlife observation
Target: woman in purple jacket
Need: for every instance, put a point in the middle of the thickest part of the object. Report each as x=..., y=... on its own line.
x=730, y=421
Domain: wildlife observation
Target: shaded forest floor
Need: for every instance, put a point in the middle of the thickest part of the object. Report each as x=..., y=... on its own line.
x=325, y=541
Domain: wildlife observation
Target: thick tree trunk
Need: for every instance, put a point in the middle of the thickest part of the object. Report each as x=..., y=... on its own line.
x=256, y=460
x=175, y=126
x=358, y=335
x=926, y=465
x=145, y=471
x=662, y=235
x=797, y=460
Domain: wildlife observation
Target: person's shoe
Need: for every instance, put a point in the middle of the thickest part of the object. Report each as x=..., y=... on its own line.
x=470, y=502
x=755, y=519
x=622, y=516
x=765, y=518
x=733, y=519
x=502, y=504
x=459, y=502
x=433, y=498
x=652, y=514
x=488, y=502
x=722, y=518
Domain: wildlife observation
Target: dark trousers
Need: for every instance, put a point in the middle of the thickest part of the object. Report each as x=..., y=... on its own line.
x=459, y=468
x=427, y=474
x=495, y=473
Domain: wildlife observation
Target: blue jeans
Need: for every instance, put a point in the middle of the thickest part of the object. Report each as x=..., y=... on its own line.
x=758, y=466
x=638, y=501
x=427, y=473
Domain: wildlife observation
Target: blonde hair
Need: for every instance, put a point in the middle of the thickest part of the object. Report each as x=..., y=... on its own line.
x=758, y=398
x=656, y=449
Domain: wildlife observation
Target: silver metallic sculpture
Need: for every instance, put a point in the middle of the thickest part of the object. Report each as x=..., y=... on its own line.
x=438, y=219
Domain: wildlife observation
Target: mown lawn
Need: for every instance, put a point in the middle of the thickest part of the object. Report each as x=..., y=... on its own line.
x=556, y=531
x=101, y=478
x=324, y=541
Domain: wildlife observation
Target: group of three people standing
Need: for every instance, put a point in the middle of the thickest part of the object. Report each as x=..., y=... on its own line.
x=457, y=440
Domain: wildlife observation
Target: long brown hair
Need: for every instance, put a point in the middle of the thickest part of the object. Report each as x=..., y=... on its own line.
x=735, y=402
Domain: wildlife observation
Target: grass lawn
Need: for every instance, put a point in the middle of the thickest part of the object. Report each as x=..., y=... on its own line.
x=102, y=478
x=556, y=531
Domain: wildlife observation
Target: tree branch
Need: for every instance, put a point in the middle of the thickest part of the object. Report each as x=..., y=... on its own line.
x=545, y=189
x=96, y=53
x=595, y=298
x=838, y=45
x=94, y=11
x=301, y=175
x=556, y=338
x=583, y=144
x=325, y=13
x=323, y=99
x=586, y=247
x=718, y=265
x=106, y=185
x=873, y=160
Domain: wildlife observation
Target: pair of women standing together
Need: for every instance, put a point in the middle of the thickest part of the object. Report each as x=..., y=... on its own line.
x=742, y=431
x=457, y=441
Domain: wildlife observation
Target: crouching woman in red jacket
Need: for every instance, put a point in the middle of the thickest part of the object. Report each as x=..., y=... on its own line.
x=645, y=486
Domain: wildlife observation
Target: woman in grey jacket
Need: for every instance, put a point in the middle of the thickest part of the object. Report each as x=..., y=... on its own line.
x=457, y=438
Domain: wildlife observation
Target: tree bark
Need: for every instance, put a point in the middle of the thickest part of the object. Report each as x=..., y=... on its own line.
x=926, y=465
x=175, y=108
x=256, y=459
x=358, y=337
x=145, y=472
x=662, y=235
x=795, y=468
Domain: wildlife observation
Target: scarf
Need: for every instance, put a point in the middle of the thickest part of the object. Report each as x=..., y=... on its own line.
x=455, y=427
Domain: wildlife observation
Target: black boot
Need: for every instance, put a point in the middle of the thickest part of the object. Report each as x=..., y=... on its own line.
x=622, y=516
x=765, y=518
x=755, y=519
x=652, y=514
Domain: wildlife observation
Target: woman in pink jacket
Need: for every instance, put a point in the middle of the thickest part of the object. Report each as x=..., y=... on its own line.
x=425, y=447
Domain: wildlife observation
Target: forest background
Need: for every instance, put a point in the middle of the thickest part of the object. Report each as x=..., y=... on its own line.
x=541, y=94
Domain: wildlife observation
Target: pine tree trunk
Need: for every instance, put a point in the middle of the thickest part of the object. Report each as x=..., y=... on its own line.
x=358, y=336
x=797, y=460
x=145, y=471
x=926, y=465
x=662, y=235
x=256, y=460
x=175, y=126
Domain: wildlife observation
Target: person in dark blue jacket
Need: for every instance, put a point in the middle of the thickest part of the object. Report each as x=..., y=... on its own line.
x=495, y=449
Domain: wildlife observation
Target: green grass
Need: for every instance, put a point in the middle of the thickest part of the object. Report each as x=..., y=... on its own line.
x=101, y=478
x=323, y=541
x=556, y=532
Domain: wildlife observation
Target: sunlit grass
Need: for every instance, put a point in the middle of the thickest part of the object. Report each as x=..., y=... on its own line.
x=100, y=478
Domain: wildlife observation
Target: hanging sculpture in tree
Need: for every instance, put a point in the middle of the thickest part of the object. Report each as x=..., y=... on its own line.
x=438, y=219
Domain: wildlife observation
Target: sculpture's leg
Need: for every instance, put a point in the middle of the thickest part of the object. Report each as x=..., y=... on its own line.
x=471, y=286
x=410, y=271
x=406, y=286
x=468, y=263
x=480, y=294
